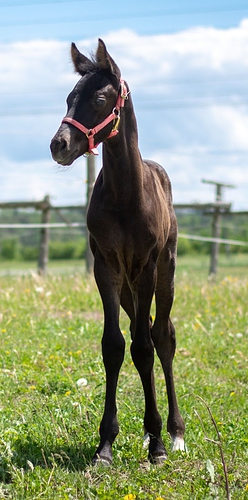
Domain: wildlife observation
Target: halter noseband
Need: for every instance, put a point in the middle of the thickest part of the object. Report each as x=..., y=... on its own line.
x=115, y=115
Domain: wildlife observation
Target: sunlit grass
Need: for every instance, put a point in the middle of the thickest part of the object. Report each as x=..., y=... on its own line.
x=50, y=340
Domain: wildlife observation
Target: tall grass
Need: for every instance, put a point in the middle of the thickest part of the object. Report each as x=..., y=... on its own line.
x=53, y=383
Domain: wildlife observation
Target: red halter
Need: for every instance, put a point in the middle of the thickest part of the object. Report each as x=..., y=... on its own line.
x=115, y=115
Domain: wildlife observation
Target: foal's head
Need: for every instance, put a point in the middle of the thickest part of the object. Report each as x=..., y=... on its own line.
x=91, y=101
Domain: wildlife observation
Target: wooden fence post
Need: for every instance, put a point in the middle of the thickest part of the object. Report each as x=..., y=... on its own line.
x=44, y=237
x=215, y=244
x=216, y=227
x=90, y=185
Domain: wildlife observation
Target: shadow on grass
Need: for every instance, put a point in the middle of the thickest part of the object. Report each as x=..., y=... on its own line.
x=30, y=454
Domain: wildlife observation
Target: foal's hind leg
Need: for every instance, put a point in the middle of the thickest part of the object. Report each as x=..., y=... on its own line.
x=129, y=306
x=127, y=303
x=163, y=335
x=142, y=351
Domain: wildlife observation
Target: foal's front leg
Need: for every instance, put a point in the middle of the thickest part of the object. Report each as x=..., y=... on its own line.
x=113, y=347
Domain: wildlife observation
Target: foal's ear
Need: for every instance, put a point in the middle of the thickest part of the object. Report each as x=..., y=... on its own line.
x=81, y=62
x=105, y=61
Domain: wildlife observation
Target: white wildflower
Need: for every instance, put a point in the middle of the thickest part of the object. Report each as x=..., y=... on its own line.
x=81, y=382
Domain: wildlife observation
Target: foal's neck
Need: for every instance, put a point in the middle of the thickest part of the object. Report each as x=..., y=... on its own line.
x=122, y=163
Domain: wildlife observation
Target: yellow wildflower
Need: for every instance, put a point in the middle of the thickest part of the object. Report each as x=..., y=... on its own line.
x=130, y=496
x=67, y=393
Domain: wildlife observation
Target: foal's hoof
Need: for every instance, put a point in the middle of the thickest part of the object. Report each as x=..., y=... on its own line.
x=158, y=459
x=104, y=461
x=178, y=444
x=157, y=452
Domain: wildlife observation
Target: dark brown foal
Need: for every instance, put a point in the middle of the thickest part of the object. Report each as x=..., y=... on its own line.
x=133, y=236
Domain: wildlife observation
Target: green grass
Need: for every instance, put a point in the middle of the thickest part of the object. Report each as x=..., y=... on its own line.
x=235, y=263
x=50, y=338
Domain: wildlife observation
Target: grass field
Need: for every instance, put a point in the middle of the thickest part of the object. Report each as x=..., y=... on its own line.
x=52, y=390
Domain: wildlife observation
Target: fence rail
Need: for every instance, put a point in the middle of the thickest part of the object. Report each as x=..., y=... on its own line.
x=52, y=225
x=212, y=240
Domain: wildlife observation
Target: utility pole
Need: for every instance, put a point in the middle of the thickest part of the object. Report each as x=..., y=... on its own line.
x=216, y=227
x=90, y=184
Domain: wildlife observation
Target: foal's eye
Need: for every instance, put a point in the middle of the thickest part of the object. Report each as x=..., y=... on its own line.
x=100, y=101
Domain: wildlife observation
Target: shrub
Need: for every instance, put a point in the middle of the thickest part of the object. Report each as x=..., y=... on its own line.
x=9, y=249
x=203, y=247
x=80, y=249
x=61, y=250
x=184, y=246
x=29, y=253
x=67, y=249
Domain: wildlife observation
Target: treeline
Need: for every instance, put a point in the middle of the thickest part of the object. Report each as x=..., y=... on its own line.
x=70, y=243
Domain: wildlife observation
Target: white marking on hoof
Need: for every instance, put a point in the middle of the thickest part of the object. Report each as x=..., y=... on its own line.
x=146, y=440
x=160, y=460
x=178, y=444
x=101, y=461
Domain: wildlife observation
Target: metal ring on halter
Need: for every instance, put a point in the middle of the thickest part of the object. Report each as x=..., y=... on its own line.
x=116, y=120
x=124, y=93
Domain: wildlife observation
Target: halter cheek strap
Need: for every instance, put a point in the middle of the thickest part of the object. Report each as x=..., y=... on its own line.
x=115, y=115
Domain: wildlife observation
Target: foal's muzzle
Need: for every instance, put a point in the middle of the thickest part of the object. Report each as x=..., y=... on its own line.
x=62, y=150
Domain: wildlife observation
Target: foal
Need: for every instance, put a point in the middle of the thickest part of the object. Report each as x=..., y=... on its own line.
x=133, y=236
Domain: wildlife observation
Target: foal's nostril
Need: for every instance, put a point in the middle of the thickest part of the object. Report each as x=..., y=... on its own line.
x=62, y=145
x=58, y=146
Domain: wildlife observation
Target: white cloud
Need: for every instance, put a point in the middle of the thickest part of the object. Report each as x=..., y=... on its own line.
x=32, y=180
x=234, y=121
x=189, y=92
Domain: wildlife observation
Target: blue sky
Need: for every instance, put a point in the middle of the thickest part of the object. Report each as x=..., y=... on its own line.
x=186, y=63
x=45, y=19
